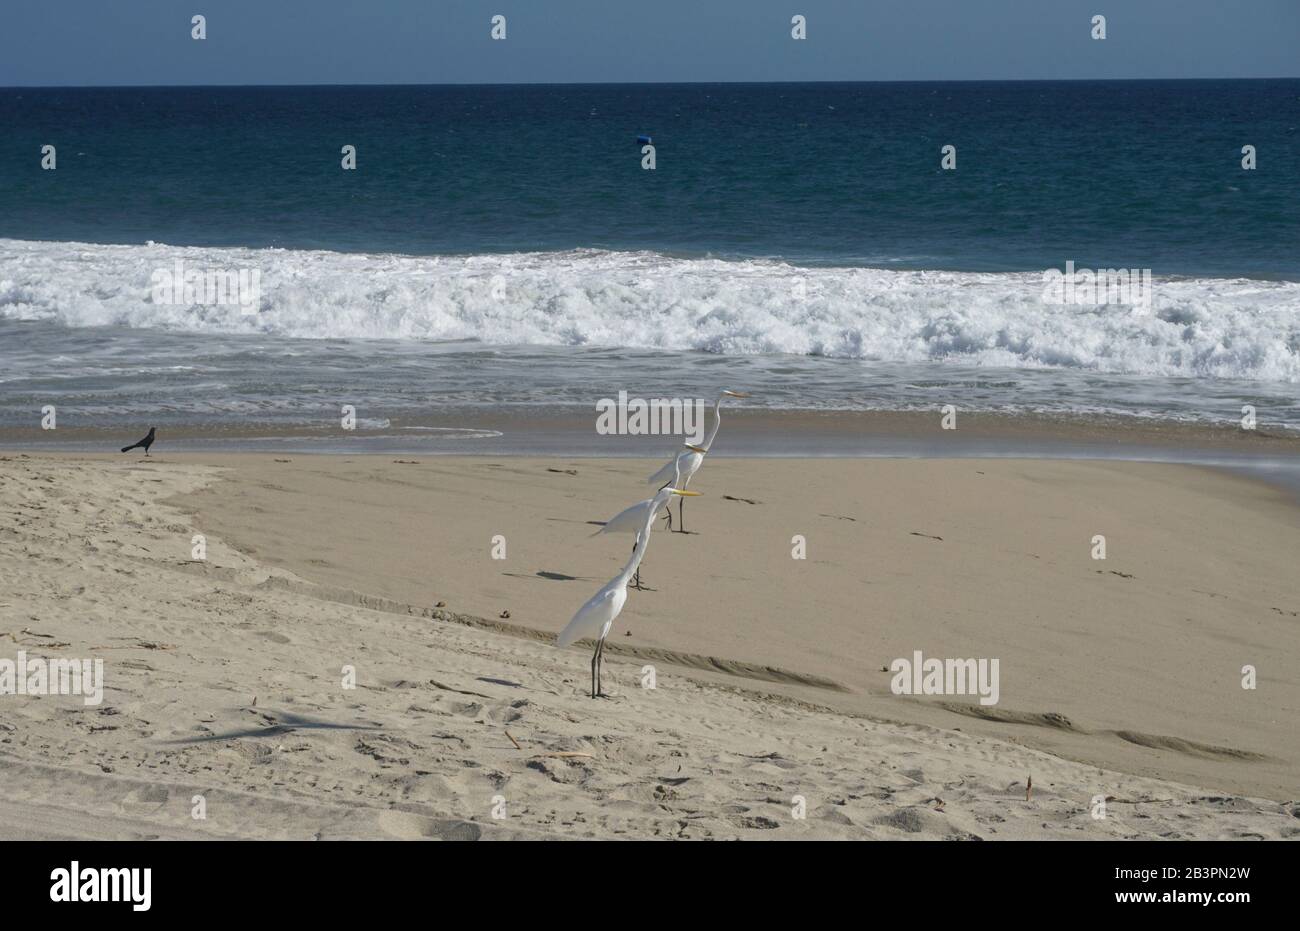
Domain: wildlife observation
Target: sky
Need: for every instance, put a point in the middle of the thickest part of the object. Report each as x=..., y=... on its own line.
x=148, y=42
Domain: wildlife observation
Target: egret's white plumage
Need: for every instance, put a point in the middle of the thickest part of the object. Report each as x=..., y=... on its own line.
x=683, y=465
x=686, y=463
x=595, y=618
x=630, y=520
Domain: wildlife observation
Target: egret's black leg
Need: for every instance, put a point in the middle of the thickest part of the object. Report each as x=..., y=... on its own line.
x=636, y=576
x=594, y=656
x=681, y=514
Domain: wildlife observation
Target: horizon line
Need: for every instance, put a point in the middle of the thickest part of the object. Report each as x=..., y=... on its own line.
x=1130, y=80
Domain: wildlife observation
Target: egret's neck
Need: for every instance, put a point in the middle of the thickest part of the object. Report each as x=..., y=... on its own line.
x=717, y=422
x=642, y=541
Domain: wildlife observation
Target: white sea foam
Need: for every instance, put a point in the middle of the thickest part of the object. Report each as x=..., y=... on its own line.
x=1231, y=328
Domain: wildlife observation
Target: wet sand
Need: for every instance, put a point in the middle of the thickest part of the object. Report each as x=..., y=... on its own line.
x=541, y=431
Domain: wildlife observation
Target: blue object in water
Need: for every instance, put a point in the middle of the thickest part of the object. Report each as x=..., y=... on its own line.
x=643, y=140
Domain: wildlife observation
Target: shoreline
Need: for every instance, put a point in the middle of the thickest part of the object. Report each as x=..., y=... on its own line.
x=528, y=430
x=1268, y=454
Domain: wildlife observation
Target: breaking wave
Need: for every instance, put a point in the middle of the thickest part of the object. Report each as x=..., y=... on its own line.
x=1217, y=328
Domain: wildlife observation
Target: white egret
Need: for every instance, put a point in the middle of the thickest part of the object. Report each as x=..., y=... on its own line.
x=595, y=618
x=688, y=462
x=632, y=519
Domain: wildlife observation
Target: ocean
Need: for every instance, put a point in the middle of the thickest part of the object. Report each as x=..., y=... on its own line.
x=501, y=248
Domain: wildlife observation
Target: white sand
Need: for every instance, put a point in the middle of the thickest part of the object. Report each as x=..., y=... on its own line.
x=223, y=679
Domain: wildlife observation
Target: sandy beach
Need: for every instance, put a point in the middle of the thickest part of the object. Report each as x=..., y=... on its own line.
x=1119, y=678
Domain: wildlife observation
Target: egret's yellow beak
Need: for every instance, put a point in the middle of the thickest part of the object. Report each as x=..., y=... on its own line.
x=687, y=494
x=736, y=394
x=698, y=449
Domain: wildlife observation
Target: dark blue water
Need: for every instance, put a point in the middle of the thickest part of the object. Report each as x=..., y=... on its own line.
x=1131, y=174
x=502, y=246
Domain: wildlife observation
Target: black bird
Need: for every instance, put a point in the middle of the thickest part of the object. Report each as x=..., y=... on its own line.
x=146, y=443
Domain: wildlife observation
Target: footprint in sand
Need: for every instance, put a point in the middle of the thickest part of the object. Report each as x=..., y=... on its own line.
x=406, y=826
x=913, y=821
x=145, y=798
